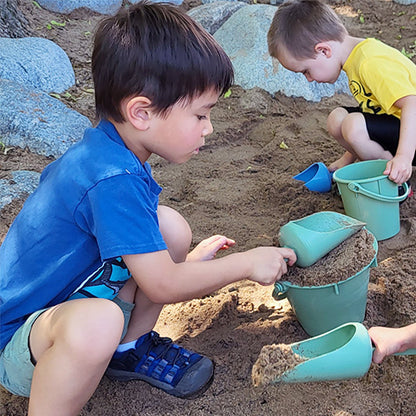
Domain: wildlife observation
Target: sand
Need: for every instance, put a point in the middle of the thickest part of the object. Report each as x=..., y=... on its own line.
x=344, y=261
x=273, y=362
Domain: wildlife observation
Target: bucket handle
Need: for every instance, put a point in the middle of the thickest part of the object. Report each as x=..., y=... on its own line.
x=280, y=290
x=356, y=187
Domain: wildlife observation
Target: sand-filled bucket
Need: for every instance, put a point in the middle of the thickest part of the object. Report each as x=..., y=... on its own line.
x=322, y=308
x=371, y=197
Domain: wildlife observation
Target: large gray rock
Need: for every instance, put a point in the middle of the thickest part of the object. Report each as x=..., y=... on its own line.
x=67, y=6
x=229, y=1
x=212, y=16
x=37, y=63
x=177, y=2
x=254, y=66
x=23, y=182
x=33, y=119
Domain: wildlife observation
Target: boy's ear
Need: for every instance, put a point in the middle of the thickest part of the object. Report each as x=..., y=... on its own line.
x=323, y=48
x=138, y=112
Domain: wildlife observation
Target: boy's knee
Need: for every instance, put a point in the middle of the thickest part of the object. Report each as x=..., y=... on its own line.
x=335, y=121
x=98, y=332
x=354, y=127
x=176, y=232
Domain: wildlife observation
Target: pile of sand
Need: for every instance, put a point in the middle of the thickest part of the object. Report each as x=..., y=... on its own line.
x=344, y=261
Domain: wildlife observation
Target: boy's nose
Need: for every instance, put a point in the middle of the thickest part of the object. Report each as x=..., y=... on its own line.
x=208, y=129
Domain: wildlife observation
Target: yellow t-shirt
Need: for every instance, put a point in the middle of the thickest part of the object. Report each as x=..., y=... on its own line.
x=378, y=76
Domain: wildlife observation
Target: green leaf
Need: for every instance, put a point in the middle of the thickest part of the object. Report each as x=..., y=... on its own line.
x=55, y=23
x=409, y=55
x=283, y=145
x=36, y=4
x=52, y=94
x=227, y=94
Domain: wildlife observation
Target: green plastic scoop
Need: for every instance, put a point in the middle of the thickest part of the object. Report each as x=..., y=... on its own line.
x=342, y=353
x=314, y=236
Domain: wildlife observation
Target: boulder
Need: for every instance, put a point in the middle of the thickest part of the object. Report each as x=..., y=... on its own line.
x=33, y=119
x=67, y=6
x=211, y=16
x=252, y=63
x=23, y=182
x=37, y=63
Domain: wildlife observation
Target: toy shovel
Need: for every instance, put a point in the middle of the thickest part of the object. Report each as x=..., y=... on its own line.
x=314, y=236
x=316, y=177
x=342, y=353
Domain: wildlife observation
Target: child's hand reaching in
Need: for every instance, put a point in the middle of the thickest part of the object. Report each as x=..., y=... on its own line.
x=208, y=248
x=391, y=340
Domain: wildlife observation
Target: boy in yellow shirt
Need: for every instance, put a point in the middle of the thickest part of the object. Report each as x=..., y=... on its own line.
x=307, y=36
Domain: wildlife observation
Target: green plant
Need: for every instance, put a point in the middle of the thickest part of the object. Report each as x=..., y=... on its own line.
x=409, y=54
x=360, y=16
x=54, y=23
x=4, y=149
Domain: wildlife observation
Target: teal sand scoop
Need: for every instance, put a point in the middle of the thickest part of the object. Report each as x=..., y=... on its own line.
x=316, y=177
x=342, y=353
x=314, y=236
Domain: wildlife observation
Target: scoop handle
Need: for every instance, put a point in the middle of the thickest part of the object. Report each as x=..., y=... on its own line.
x=410, y=351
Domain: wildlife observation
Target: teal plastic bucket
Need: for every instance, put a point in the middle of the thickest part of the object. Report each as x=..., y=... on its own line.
x=322, y=308
x=371, y=197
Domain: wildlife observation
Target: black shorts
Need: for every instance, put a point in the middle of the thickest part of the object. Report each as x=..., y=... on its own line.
x=383, y=129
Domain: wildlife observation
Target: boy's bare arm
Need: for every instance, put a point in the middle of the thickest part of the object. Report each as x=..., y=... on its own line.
x=164, y=281
x=399, y=168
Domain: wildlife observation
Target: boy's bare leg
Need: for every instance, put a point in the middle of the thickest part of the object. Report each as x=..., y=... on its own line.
x=334, y=126
x=346, y=159
x=72, y=344
x=350, y=130
x=178, y=236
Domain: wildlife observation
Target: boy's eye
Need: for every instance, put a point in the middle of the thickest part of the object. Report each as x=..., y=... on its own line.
x=202, y=117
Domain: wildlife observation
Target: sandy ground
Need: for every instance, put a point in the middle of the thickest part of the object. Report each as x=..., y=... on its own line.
x=241, y=185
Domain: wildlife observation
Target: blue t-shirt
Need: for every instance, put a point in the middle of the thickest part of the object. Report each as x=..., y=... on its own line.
x=94, y=204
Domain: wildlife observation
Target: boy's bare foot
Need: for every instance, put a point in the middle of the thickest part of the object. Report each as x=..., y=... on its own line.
x=346, y=159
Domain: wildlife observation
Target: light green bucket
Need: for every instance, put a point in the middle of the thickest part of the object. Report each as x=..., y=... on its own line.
x=371, y=197
x=322, y=308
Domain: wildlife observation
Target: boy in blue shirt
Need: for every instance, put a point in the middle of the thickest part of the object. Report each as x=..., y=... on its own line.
x=92, y=257
x=307, y=36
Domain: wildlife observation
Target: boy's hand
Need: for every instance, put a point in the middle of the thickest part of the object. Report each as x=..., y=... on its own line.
x=385, y=341
x=269, y=264
x=399, y=169
x=208, y=248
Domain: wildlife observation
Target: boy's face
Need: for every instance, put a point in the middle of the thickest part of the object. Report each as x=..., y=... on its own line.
x=180, y=135
x=323, y=68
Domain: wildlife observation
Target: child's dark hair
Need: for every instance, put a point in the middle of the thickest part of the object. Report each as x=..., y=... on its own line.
x=298, y=25
x=158, y=51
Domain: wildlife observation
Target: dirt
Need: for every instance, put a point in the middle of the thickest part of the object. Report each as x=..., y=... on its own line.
x=273, y=362
x=241, y=185
x=344, y=261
